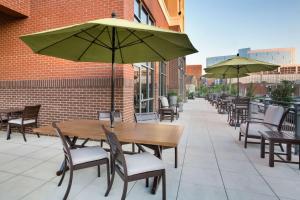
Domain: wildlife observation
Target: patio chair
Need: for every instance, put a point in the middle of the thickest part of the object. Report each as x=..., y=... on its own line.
x=105, y=116
x=81, y=158
x=133, y=167
x=166, y=110
x=3, y=120
x=29, y=118
x=152, y=118
x=271, y=121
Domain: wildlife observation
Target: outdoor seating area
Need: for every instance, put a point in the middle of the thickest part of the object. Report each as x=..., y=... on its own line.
x=212, y=163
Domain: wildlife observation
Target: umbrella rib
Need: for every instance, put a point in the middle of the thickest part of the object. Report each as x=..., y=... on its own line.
x=119, y=46
x=93, y=42
x=126, y=38
x=147, y=45
x=107, y=47
x=63, y=39
x=104, y=45
x=109, y=36
x=137, y=41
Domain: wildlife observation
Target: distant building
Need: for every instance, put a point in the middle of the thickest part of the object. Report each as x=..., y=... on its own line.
x=285, y=57
x=279, y=56
x=193, y=74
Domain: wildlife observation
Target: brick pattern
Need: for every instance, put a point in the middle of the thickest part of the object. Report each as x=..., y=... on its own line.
x=17, y=8
x=66, y=89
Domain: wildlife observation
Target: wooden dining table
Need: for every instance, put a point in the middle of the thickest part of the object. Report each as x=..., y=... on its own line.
x=160, y=135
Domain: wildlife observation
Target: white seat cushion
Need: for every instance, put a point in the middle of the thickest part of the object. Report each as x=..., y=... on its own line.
x=254, y=128
x=273, y=114
x=87, y=154
x=19, y=121
x=164, y=102
x=142, y=162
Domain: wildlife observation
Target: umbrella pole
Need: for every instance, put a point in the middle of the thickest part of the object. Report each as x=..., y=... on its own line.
x=238, y=82
x=112, y=113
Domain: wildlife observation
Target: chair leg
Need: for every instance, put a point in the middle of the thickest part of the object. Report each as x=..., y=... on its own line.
x=69, y=184
x=176, y=156
x=110, y=183
x=124, y=190
x=38, y=135
x=164, y=197
x=240, y=136
x=98, y=167
x=23, y=133
x=8, y=132
x=147, y=182
x=133, y=147
x=107, y=173
x=245, y=144
x=63, y=173
x=281, y=147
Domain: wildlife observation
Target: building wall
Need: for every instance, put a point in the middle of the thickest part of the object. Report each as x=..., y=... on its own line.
x=15, y=8
x=194, y=70
x=65, y=89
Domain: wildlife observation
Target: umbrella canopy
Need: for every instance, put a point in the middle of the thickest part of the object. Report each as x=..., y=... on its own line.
x=240, y=65
x=94, y=41
x=223, y=76
x=110, y=40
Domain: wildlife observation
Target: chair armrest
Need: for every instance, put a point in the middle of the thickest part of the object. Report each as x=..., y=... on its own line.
x=255, y=118
x=260, y=122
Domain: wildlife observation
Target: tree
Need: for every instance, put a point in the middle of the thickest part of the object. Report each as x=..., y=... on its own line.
x=283, y=92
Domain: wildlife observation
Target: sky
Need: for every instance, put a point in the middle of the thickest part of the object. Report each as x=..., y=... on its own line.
x=221, y=27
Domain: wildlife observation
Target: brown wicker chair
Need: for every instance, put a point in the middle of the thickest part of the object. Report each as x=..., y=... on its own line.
x=81, y=158
x=29, y=119
x=133, y=167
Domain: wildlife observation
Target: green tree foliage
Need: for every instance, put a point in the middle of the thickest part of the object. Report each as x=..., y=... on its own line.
x=283, y=92
x=250, y=90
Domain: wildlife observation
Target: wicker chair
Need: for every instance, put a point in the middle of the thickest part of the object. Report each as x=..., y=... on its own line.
x=167, y=110
x=29, y=119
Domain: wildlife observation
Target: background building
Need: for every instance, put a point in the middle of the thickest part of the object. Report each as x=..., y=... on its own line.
x=285, y=57
x=70, y=90
x=193, y=74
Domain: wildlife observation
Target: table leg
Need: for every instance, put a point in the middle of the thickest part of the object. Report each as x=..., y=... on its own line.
x=271, y=154
x=289, y=152
x=156, y=180
x=262, y=147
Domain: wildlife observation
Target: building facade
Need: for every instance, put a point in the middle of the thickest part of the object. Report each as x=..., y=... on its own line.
x=70, y=90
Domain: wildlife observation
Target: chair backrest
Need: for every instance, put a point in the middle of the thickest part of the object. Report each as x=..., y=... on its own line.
x=164, y=102
x=66, y=147
x=31, y=112
x=116, y=151
x=105, y=116
x=288, y=121
x=273, y=114
x=150, y=117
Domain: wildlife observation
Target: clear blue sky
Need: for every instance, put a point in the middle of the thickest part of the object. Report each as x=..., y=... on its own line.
x=221, y=27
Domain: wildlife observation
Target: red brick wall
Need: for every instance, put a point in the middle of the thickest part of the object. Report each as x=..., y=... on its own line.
x=194, y=70
x=18, y=63
x=17, y=8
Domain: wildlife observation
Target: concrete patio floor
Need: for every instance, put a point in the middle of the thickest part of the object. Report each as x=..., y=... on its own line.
x=212, y=165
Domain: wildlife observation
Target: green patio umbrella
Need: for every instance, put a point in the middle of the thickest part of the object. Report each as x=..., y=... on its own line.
x=110, y=40
x=223, y=76
x=237, y=66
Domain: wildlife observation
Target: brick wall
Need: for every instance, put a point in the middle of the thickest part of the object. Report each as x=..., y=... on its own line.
x=62, y=87
x=15, y=8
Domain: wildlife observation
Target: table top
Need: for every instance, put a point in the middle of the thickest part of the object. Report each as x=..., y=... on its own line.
x=11, y=110
x=140, y=133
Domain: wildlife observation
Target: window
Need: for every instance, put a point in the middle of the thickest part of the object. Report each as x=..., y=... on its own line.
x=143, y=87
x=143, y=72
x=162, y=79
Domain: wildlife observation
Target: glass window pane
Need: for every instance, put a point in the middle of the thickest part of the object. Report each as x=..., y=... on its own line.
x=144, y=16
x=151, y=22
x=151, y=82
x=136, y=8
x=143, y=82
x=136, y=89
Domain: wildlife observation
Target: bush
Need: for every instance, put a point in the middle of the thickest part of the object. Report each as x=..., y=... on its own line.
x=283, y=92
